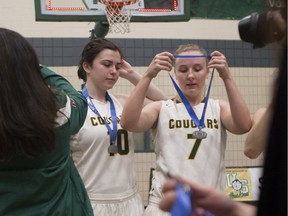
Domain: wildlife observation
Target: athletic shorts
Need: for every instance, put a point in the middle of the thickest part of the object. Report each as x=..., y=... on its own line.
x=132, y=206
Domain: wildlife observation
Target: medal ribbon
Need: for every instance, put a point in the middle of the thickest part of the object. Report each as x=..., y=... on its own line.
x=182, y=205
x=192, y=56
x=112, y=132
x=199, y=123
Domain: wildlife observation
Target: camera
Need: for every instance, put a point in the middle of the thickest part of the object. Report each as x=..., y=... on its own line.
x=259, y=29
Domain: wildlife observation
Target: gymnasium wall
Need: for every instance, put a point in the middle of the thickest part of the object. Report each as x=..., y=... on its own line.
x=59, y=45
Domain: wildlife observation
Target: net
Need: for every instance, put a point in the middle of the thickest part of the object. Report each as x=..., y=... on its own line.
x=118, y=13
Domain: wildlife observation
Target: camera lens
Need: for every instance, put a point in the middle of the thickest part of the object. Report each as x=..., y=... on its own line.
x=258, y=29
x=248, y=29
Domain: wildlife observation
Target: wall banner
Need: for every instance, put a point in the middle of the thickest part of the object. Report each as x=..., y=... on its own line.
x=243, y=183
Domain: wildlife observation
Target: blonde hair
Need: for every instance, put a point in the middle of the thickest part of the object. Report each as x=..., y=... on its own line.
x=190, y=47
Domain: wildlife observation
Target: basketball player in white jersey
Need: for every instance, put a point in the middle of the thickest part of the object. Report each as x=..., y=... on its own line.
x=189, y=132
x=102, y=151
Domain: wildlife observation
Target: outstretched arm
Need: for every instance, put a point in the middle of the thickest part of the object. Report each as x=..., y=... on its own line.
x=134, y=118
x=205, y=199
x=77, y=100
x=256, y=139
x=235, y=114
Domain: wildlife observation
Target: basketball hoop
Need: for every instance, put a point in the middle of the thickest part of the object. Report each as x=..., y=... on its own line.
x=117, y=16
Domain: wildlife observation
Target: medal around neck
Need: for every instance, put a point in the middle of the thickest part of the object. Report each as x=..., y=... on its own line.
x=199, y=134
x=113, y=149
x=198, y=122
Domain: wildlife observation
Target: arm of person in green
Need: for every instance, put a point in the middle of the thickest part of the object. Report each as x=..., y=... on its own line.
x=77, y=198
x=78, y=101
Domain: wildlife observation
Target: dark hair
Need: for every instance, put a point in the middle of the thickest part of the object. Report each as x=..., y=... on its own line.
x=90, y=52
x=27, y=105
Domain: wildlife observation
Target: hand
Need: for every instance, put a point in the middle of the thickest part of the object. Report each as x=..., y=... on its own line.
x=219, y=62
x=126, y=70
x=161, y=61
x=204, y=199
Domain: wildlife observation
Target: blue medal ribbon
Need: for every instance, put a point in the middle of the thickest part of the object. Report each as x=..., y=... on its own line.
x=182, y=205
x=199, y=123
x=112, y=132
x=192, y=56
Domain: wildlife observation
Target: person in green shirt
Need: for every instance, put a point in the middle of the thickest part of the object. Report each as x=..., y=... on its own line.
x=39, y=111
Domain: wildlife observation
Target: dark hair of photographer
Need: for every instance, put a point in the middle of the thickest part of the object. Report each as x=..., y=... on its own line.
x=27, y=107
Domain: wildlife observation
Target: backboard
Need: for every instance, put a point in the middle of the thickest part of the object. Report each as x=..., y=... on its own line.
x=92, y=10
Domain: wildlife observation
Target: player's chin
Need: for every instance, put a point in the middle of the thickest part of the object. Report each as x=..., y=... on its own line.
x=191, y=89
x=110, y=83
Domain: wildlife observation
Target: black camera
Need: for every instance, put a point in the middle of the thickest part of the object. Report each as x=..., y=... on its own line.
x=259, y=29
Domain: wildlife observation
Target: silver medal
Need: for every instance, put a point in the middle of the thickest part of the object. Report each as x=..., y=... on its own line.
x=199, y=134
x=113, y=149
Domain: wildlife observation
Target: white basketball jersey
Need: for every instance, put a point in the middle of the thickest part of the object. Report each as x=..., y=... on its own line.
x=106, y=176
x=177, y=152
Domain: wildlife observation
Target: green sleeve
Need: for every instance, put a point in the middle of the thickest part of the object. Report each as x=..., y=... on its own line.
x=78, y=101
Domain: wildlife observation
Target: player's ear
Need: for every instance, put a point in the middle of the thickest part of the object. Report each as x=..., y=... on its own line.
x=86, y=67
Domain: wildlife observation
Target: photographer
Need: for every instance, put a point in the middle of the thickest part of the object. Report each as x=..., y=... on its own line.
x=273, y=193
x=262, y=29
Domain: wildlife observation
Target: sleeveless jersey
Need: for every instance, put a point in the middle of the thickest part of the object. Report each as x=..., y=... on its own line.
x=106, y=176
x=177, y=152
